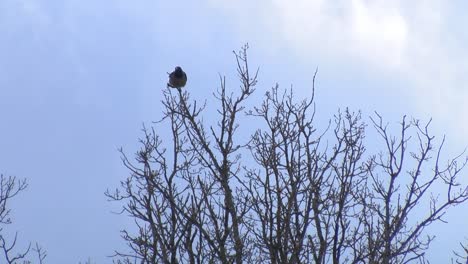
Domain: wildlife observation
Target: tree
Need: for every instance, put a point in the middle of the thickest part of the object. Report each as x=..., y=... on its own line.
x=461, y=257
x=10, y=187
x=289, y=194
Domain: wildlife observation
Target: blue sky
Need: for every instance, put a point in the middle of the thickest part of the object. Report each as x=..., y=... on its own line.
x=78, y=78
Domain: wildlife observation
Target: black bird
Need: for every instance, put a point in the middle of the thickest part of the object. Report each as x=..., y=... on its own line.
x=177, y=78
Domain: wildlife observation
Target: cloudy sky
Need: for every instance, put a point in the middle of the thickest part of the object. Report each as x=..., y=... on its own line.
x=78, y=78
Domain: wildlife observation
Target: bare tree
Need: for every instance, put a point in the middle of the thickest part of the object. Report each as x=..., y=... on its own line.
x=291, y=193
x=10, y=187
x=461, y=256
x=187, y=201
x=398, y=185
x=302, y=196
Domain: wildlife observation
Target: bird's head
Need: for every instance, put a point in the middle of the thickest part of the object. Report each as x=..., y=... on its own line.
x=178, y=71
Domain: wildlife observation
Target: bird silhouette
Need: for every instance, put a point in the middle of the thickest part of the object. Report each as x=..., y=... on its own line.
x=177, y=78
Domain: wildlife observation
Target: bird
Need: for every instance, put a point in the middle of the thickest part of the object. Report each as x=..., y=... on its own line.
x=177, y=78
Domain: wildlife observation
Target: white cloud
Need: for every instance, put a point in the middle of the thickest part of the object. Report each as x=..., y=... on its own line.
x=380, y=32
x=412, y=41
x=375, y=32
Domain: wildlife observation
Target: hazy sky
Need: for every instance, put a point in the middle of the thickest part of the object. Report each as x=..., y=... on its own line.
x=78, y=78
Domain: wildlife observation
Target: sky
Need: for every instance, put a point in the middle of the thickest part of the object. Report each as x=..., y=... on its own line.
x=78, y=78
